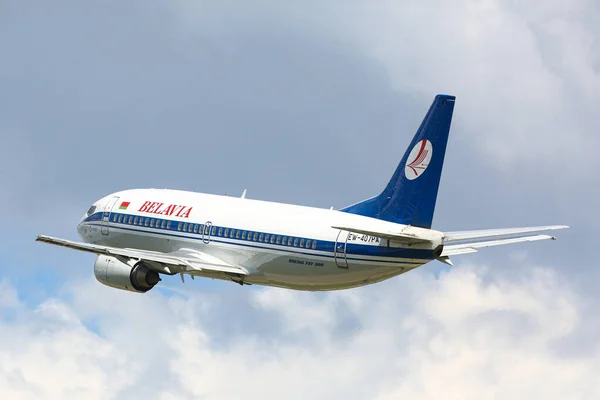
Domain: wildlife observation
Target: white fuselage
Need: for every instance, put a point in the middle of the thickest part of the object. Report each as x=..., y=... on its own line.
x=278, y=244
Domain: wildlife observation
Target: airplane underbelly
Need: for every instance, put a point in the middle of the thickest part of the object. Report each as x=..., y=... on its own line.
x=322, y=273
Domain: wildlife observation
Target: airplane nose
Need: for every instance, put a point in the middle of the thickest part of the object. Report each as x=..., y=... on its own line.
x=83, y=230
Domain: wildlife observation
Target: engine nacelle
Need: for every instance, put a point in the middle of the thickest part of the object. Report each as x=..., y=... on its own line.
x=112, y=272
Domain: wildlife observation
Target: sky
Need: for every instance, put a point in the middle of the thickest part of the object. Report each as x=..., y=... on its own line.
x=280, y=98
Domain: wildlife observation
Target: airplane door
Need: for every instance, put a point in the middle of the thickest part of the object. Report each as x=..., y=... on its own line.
x=340, y=249
x=105, y=222
x=206, y=232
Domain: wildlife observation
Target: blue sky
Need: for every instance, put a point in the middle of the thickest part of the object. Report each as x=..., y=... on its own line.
x=277, y=97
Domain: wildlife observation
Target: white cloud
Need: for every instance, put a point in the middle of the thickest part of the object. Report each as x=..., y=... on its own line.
x=47, y=353
x=469, y=334
x=524, y=72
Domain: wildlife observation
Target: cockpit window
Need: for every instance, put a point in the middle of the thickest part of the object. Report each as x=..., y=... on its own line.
x=91, y=210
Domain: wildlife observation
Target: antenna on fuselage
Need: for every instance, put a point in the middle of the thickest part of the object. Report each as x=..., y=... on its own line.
x=243, y=196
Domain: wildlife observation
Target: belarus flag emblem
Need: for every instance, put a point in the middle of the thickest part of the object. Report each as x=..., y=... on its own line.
x=124, y=205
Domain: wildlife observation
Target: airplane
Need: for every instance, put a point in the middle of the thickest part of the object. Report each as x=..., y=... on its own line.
x=140, y=234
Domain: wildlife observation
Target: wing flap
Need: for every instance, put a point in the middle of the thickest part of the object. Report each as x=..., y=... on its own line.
x=466, y=248
x=198, y=260
x=178, y=261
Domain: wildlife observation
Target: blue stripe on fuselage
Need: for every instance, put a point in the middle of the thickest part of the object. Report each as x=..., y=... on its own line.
x=352, y=249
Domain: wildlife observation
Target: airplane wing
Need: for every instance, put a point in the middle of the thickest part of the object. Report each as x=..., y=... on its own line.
x=182, y=260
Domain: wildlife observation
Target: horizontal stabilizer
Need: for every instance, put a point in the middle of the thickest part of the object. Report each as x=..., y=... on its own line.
x=466, y=248
x=408, y=235
x=490, y=233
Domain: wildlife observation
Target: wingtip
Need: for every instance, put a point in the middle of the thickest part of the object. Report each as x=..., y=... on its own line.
x=43, y=238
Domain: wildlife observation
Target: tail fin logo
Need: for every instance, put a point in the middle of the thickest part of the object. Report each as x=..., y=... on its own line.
x=418, y=159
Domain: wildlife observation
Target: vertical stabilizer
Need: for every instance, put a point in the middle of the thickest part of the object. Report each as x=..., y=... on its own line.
x=409, y=197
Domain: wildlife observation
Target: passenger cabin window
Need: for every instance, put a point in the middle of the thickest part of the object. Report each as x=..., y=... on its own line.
x=135, y=221
x=290, y=241
x=163, y=224
x=226, y=232
x=152, y=223
x=130, y=218
x=195, y=228
x=278, y=241
x=244, y=235
x=220, y=231
x=266, y=238
x=213, y=231
x=146, y=221
x=272, y=238
x=301, y=242
x=232, y=233
x=308, y=243
x=296, y=242
x=185, y=225
x=168, y=224
x=120, y=218
x=255, y=237
x=261, y=237
x=314, y=244
x=237, y=234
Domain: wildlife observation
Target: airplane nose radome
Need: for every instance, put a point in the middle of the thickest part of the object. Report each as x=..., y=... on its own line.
x=81, y=228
